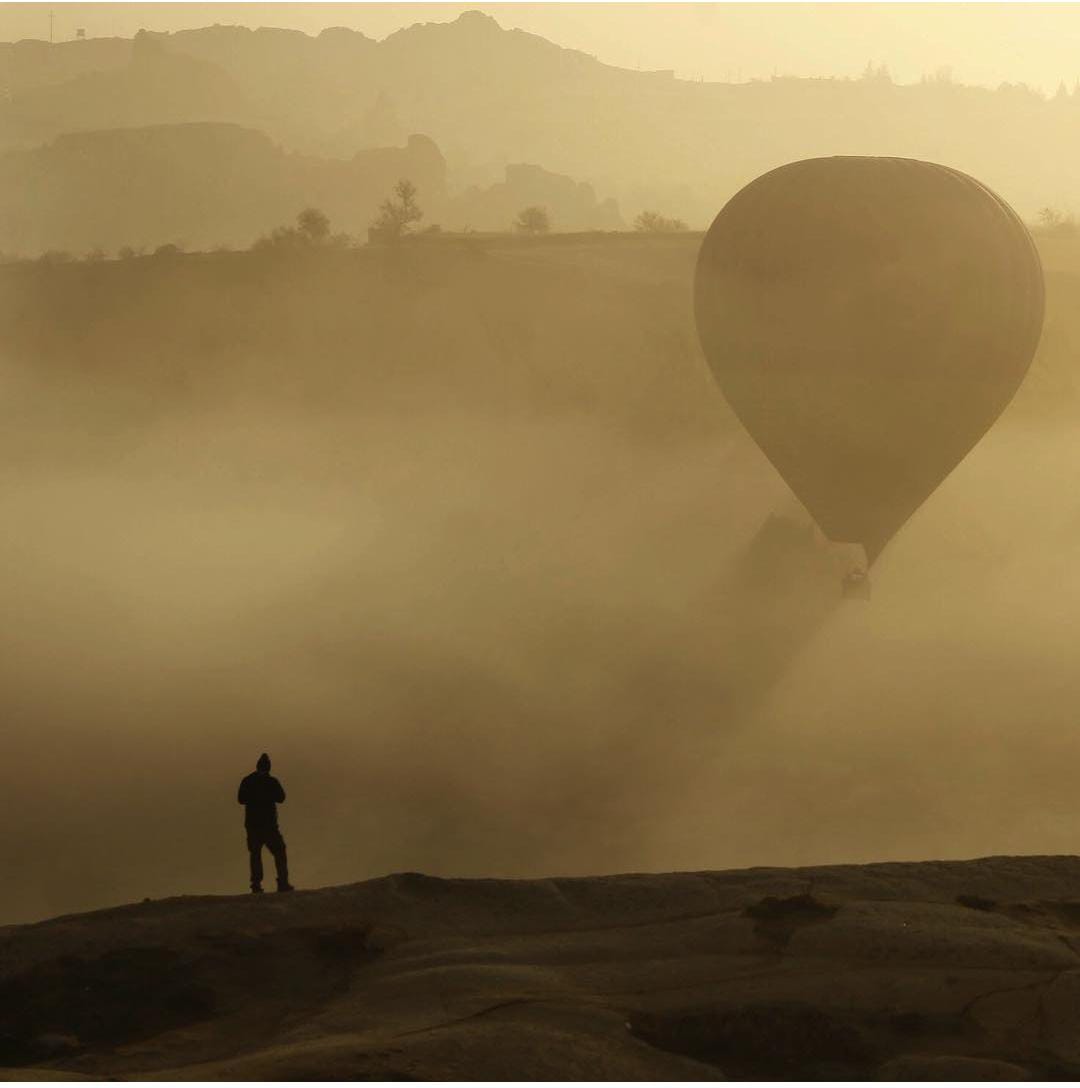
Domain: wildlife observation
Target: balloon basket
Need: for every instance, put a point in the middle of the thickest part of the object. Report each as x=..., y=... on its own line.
x=856, y=586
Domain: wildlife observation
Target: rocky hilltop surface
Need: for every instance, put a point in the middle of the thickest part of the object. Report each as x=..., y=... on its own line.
x=933, y=970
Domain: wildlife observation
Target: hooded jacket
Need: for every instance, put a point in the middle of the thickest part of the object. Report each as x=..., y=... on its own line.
x=260, y=794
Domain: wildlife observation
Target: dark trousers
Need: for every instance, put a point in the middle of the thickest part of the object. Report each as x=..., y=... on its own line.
x=270, y=837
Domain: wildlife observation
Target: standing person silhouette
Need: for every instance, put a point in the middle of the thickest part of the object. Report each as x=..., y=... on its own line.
x=260, y=793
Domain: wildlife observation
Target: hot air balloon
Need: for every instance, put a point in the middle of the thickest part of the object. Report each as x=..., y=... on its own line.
x=867, y=319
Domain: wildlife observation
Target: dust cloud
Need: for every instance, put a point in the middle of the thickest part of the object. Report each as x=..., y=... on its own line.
x=939, y=721
x=506, y=643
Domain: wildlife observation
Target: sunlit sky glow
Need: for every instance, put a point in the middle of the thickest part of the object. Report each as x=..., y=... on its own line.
x=984, y=43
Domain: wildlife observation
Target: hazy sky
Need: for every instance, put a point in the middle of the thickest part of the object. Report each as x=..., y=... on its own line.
x=981, y=42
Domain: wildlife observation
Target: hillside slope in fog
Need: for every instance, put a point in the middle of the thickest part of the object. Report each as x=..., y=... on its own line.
x=935, y=970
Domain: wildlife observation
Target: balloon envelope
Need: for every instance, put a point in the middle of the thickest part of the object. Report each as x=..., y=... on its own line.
x=867, y=319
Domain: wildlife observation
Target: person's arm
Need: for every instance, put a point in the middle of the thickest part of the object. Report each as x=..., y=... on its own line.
x=280, y=792
x=241, y=793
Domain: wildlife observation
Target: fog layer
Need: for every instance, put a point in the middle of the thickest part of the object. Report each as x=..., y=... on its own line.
x=576, y=624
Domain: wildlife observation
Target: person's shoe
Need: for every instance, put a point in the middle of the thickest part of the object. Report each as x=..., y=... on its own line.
x=285, y=888
x=256, y=889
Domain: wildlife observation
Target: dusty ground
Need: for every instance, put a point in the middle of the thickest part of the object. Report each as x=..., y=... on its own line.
x=935, y=970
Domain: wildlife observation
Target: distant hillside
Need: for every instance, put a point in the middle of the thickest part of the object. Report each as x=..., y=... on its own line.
x=491, y=97
x=29, y=64
x=149, y=86
x=201, y=185
x=963, y=970
x=198, y=185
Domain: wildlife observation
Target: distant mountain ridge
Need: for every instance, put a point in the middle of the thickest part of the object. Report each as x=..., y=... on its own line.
x=490, y=97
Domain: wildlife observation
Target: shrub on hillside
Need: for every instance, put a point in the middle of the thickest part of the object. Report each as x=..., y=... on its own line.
x=312, y=231
x=655, y=223
x=533, y=220
x=1056, y=223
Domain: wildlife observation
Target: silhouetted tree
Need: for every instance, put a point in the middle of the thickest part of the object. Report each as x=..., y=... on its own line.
x=1052, y=221
x=880, y=74
x=312, y=231
x=655, y=223
x=396, y=217
x=314, y=224
x=169, y=249
x=533, y=220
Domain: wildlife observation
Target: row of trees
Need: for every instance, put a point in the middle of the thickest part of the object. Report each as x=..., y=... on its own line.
x=96, y=255
x=399, y=216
